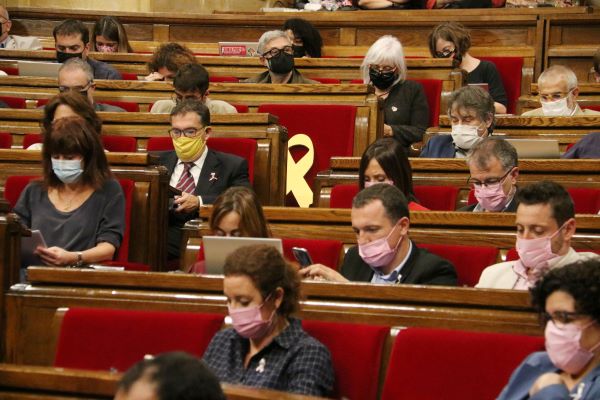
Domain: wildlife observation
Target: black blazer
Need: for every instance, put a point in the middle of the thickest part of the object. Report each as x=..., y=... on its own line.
x=229, y=170
x=421, y=268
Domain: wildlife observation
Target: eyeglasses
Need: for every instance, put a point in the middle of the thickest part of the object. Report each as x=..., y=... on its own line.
x=81, y=89
x=382, y=69
x=553, y=96
x=560, y=318
x=274, y=52
x=488, y=182
x=445, y=53
x=187, y=132
x=178, y=97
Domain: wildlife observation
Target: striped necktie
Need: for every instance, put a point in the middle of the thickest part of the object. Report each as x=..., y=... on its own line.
x=186, y=180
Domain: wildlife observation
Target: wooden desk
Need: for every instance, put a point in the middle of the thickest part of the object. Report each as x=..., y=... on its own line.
x=35, y=382
x=269, y=178
x=454, y=172
x=149, y=209
x=30, y=308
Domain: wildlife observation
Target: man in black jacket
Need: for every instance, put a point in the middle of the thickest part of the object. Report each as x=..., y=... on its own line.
x=385, y=253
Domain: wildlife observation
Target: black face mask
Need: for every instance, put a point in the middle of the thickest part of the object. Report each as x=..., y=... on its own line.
x=456, y=60
x=62, y=57
x=282, y=64
x=382, y=80
x=299, y=51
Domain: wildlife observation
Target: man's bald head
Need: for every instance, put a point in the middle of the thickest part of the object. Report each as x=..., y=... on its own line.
x=4, y=12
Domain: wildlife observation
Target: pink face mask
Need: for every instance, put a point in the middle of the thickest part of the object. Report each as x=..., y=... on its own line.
x=378, y=253
x=535, y=253
x=564, y=348
x=371, y=183
x=248, y=321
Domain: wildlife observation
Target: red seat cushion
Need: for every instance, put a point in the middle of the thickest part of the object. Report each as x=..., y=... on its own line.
x=595, y=107
x=42, y=102
x=330, y=127
x=322, y=251
x=241, y=108
x=329, y=81
x=119, y=143
x=511, y=73
x=31, y=138
x=356, y=351
x=5, y=140
x=231, y=79
x=428, y=364
x=433, y=91
x=103, y=339
x=10, y=70
x=14, y=102
x=469, y=261
x=241, y=147
x=162, y=143
x=342, y=195
x=586, y=200
x=129, y=76
x=438, y=198
x=14, y=185
x=125, y=105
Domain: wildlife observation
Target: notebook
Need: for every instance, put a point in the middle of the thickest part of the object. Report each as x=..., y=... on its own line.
x=238, y=49
x=536, y=148
x=37, y=68
x=217, y=248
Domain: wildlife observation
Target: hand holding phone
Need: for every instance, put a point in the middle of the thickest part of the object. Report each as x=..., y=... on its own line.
x=302, y=256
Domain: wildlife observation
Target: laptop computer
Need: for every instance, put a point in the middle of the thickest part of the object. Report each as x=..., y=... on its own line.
x=37, y=68
x=536, y=148
x=217, y=248
x=238, y=49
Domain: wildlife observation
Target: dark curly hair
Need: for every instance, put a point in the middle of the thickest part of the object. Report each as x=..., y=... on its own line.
x=581, y=280
x=171, y=56
x=551, y=193
x=268, y=270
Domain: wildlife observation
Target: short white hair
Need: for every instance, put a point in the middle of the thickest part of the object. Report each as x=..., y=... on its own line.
x=559, y=71
x=387, y=50
x=78, y=63
x=267, y=37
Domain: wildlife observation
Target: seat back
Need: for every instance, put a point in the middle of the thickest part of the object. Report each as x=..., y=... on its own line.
x=129, y=76
x=437, y=198
x=322, y=251
x=31, y=138
x=341, y=195
x=433, y=91
x=429, y=364
x=14, y=185
x=231, y=79
x=586, y=200
x=241, y=108
x=511, y=73
x=105, y=339
x=595, y=107
x=10, y=70
x=469, y=261
x=356, y=351
x=159, y=143
x=114, y=143
x=328, y=81
x=241, y=147
x=14, y=102
x=5, y=140
x=330, y=128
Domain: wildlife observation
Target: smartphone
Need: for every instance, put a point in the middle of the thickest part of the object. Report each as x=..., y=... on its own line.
x=302, y=256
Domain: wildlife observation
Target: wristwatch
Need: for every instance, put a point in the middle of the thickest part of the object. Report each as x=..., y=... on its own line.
x=79, y=259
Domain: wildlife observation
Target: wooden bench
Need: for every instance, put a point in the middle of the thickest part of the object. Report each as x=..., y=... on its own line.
x=269, y=178
x=29, y=382
x=589, y=95
x=454, y=172
x=30, y=308
x=149, y=209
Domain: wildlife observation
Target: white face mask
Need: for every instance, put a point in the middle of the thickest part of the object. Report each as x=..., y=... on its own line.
x=465, y=136
x=558, y=108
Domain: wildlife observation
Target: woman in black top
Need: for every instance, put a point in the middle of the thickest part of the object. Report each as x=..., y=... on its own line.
x=452, y=39
x=406, y=112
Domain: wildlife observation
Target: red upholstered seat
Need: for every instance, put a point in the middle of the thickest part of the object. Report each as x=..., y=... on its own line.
x=14, y=102
x=10, y=70
x=163, y=143
x=129, y=76
x=215, y=79
x=329, y=81
x=433, y=91
x=41, y=102
x=330, y=127
x=31, y=138
x=511, y=73
x=5, y=140
x=438, y=198
x=356, y=351
x=119, y=143
x=103, y=339
x=341, y=195
x=241, y=108
x=595, y=107
x=125, y=105
x=428, y=364
x=14, y=185
x=469, y=261
x=322, y=251
x=586, y=200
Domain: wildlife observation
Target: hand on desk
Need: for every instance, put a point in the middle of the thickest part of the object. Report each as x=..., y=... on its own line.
x=321, y=272
x=56, y=255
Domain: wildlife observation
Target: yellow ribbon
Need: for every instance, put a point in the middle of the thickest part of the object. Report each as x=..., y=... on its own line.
x=296, y=171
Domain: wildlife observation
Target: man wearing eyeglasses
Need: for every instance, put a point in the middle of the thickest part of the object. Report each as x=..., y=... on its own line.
x=557, y=88
x=191, y=82
x=77, y=75
x=493, y=168
x=277, y=54
x=198, y=174
x=545, y=223
x=13, y=41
